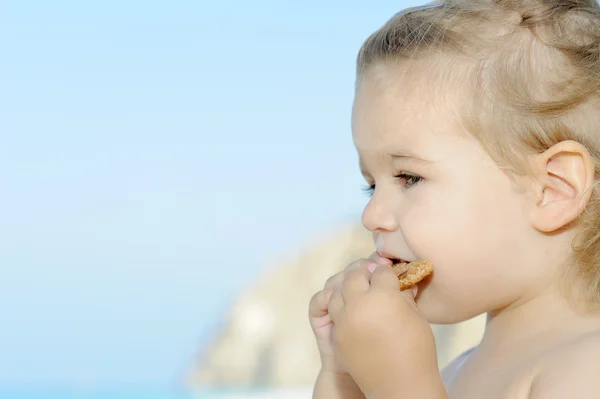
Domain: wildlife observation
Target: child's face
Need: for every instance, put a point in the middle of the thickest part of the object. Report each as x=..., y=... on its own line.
x=444, y=199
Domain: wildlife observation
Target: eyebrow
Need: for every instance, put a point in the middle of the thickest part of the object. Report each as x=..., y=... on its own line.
x=402, y=155
x=398, y=155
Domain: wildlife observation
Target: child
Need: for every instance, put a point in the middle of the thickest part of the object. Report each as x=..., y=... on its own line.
x=477, y=125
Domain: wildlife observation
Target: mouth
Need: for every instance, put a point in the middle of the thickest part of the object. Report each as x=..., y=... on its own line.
x=399, y=265
x=396, y=261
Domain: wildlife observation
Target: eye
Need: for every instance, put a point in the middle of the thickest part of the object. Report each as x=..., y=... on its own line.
x=369, y=189
x=408, y=179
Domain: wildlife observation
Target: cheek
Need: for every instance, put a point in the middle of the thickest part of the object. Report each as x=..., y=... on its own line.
x=456, y=221
x=468, y=234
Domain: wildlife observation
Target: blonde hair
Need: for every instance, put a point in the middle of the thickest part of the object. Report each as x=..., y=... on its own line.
x=533, y=68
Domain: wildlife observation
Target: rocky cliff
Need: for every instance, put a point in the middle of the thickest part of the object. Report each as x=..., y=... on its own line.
x=266, y=339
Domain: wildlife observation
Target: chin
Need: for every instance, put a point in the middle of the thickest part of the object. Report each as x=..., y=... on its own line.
x=445, y=310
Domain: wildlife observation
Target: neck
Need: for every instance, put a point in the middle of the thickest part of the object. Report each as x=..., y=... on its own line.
x=539, y=320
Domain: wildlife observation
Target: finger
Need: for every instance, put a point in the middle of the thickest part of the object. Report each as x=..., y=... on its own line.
x=380, y=259
x=356, y=282
x=318, y=303
x=336, y=280
x=384, y=278
x=336, y=305
x=358, y=264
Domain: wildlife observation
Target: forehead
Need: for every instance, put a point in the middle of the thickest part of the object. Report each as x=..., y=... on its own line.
x=403, y=113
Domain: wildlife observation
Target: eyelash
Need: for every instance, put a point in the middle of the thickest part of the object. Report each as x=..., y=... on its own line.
x=410, y=179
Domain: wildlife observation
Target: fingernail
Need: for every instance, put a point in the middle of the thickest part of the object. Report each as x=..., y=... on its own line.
x=372, y=267
x=411, y=292
x=414, y=290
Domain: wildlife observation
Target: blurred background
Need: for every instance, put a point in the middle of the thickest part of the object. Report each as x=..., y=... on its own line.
x=177, y=179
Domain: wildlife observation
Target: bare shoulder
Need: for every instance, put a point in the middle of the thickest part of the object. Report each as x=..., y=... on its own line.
x=571, y=371
x=449, y=372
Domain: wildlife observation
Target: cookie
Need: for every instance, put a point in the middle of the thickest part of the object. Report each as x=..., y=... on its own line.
x=411, y=273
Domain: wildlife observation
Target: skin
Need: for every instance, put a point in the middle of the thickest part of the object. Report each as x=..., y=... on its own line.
x=334, y=381
x=499, y=244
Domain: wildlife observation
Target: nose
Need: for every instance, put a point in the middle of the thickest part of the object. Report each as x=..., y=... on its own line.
x=379, y=215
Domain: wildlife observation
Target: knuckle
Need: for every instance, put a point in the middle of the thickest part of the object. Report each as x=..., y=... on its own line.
x=330, y=280
x=316, y=298
x=348, y=279
x=334, y=280
x=335, y=295
x=356, y=264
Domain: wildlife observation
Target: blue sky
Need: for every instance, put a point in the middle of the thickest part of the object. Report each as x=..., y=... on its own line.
x=154, y=157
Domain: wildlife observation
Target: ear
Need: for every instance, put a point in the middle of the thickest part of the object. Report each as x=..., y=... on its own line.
x=566, y=177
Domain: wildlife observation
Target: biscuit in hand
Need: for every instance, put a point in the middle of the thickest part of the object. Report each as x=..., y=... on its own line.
x=411, y=273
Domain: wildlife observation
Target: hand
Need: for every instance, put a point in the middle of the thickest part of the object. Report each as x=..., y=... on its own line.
x=320, y=319
x=381, y=339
